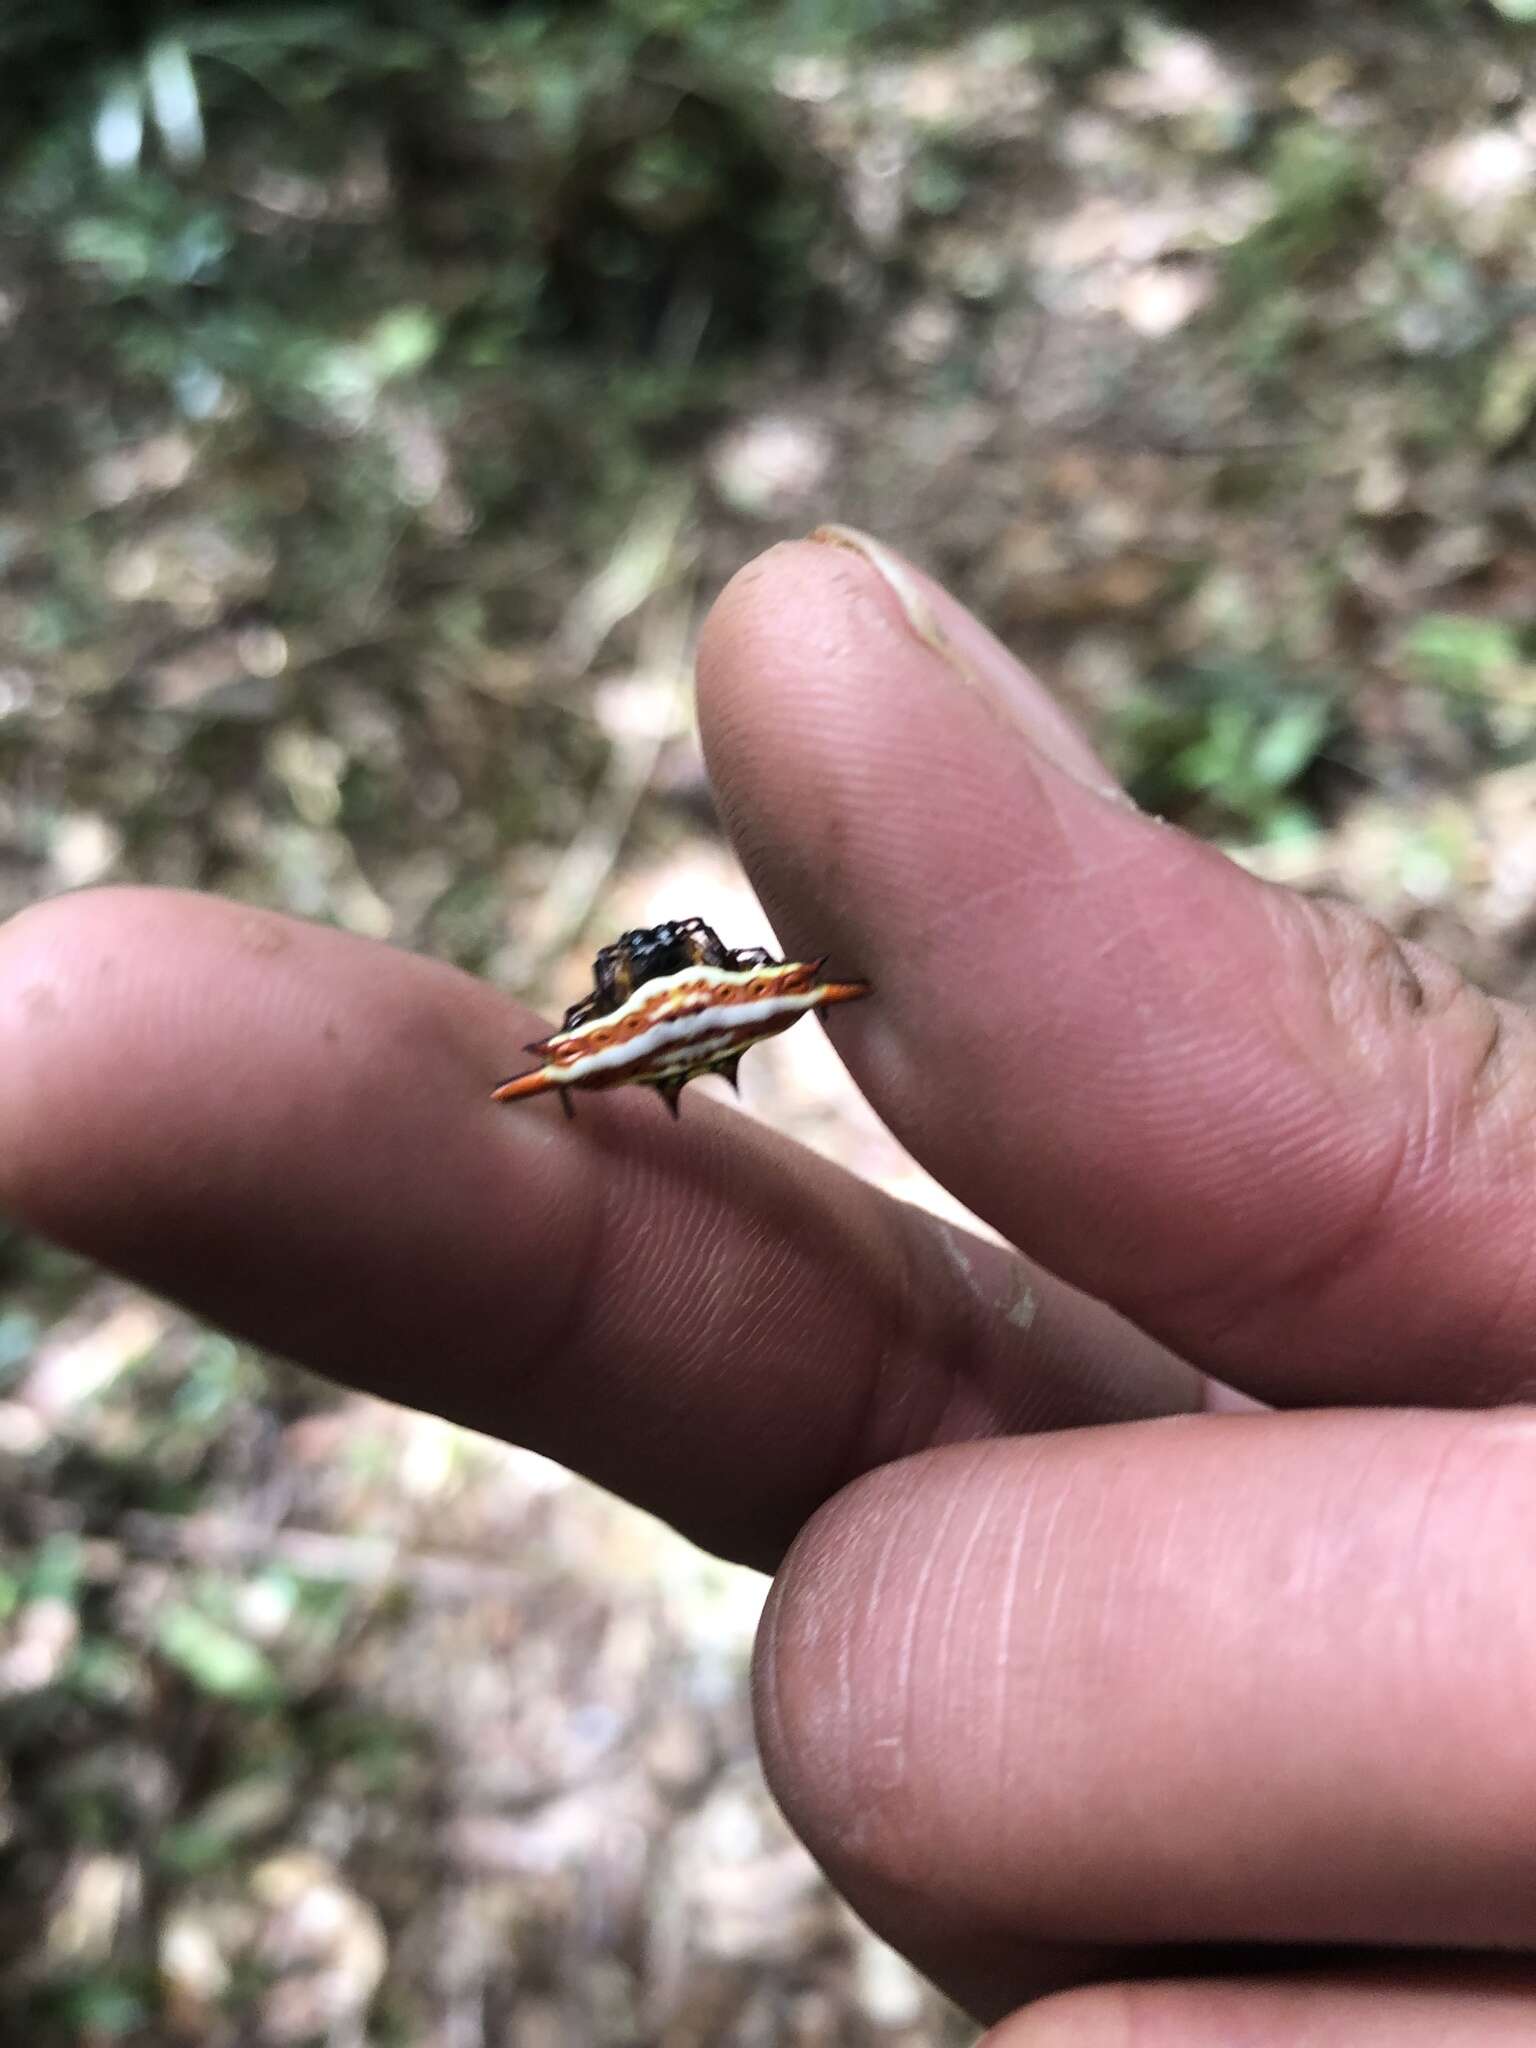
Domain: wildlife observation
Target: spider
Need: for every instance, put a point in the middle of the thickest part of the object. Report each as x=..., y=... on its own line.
x=641, y=955
x=669, y=1003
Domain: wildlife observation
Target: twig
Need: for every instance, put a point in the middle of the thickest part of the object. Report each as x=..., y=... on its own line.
x=314, y=1553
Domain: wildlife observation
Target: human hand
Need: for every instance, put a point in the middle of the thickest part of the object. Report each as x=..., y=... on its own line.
x=1218, y=1705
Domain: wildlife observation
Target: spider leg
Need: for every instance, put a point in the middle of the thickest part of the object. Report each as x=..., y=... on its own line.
x=702, y=944
x=669, y=1091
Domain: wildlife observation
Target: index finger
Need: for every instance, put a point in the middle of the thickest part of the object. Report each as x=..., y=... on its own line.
x=291, y=1131
x=1290, y=1146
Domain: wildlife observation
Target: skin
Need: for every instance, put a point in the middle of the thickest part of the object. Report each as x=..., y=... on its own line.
x=1169, y=1729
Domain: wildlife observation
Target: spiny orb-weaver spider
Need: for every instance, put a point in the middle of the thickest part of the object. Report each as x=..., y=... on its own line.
x=670, y=1003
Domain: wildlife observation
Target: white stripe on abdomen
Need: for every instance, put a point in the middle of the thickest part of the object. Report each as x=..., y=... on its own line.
x=715, y=1024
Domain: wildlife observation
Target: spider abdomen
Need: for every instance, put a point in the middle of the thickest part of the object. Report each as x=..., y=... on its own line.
x=674, y=1026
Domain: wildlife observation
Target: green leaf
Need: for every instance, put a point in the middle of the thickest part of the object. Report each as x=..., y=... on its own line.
x=118, y=129
x=18, y=1339
x=402, y=342
x=54, y=1570
x=236, y=1814
x=101, y=2007
x=1288, y=743
x=216, y=1659
x=1509, y=392
x=173, y=98
x=121, y=251
x=1457, y=651
x=107, y=1672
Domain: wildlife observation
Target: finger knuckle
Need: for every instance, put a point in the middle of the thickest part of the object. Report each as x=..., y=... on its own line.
x=1396, y=1002
x=1424, y=1087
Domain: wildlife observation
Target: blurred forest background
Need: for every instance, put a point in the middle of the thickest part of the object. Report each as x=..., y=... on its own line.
x=385, y=389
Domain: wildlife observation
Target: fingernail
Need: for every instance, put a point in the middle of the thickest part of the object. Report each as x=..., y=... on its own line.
x=979, y=660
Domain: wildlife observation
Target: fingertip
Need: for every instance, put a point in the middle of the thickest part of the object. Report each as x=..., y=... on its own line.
x=1096, y=2018
x=842, y=1784
x=1472, y=2008
x=842, y=610
x=797, y=616
x=154, y=1041
x=47, y=953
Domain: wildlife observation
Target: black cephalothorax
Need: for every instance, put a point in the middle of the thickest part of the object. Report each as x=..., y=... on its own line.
x=647, y=953
x=670, y=1004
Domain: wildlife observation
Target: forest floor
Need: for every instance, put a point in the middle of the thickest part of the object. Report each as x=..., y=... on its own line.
x=1204, y=367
